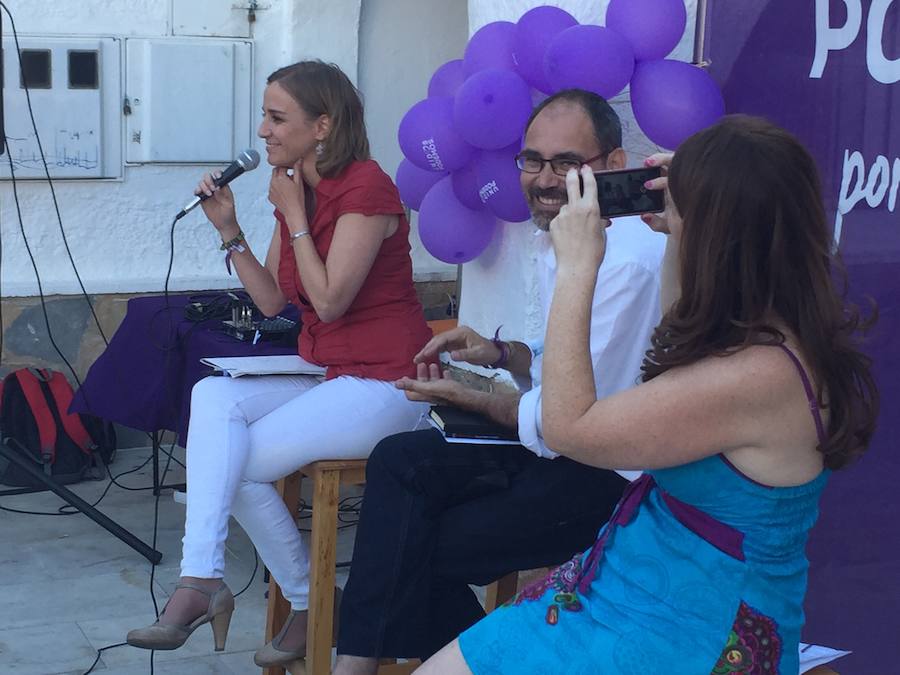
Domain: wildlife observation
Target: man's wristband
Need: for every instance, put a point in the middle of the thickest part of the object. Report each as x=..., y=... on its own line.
x=504, y=351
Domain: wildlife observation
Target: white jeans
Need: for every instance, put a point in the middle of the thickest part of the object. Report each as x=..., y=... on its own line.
x=246, y=433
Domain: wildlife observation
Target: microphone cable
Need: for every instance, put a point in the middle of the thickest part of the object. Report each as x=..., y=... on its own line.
x=96, y=320
x=37, y=138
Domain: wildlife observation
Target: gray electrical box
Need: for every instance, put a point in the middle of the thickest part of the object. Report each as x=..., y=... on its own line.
x=75, y=92
x=187, y=100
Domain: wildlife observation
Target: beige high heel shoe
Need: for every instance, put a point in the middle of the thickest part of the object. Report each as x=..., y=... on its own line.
x=168, y=636
x=271, y=654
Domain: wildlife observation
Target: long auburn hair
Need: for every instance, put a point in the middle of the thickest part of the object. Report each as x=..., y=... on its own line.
x=323, y=89
x=756, y=247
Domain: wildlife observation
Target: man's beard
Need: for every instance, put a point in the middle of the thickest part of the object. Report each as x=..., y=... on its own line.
x=541, y=215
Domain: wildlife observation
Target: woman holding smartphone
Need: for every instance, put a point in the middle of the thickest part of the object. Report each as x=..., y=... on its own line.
x=753, y=393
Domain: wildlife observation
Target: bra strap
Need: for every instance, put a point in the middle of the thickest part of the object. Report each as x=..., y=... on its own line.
x=810, y=394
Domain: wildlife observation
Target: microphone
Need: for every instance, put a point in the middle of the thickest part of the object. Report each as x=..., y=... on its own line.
x=246, y=161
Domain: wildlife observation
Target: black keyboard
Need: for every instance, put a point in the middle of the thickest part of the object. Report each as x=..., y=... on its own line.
x=277, y=324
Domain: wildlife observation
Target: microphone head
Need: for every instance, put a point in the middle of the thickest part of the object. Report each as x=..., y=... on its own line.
x=248, y=159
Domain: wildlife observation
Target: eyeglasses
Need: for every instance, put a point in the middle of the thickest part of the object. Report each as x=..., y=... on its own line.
x=529, y=163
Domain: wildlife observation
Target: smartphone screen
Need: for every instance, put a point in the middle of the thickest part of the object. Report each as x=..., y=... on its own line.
x=622, y=193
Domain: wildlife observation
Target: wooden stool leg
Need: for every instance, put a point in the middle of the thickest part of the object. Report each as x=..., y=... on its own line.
x=502, y=590
x=321, y=573
x=278, y=608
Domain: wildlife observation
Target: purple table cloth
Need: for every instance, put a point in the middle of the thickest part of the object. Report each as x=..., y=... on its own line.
x=144, y=378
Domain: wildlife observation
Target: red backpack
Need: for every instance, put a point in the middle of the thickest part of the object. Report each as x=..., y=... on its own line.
x=35, y=422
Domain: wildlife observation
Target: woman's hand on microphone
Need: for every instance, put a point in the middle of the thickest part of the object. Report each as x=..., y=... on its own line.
x=219, y=205
x=287, y=193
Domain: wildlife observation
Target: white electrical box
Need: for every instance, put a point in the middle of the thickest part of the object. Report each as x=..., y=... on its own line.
x=211, y=19
x=74, y=86
x=187, y=101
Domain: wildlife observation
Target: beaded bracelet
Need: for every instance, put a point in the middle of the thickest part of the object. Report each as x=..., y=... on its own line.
x=504, y=351
x=235, y=245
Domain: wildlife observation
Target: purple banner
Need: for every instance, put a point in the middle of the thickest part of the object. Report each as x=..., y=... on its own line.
x=829, y=71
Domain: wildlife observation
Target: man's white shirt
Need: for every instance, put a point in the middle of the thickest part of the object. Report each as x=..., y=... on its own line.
x=624, y=313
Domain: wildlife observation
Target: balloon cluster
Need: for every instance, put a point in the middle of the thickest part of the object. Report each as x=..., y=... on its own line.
x=460, y=142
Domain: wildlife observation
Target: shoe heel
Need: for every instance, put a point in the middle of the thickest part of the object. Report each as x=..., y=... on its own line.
x=220, y=624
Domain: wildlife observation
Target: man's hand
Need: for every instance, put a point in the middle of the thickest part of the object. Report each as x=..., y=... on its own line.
x=432, y=387
x=464, y=344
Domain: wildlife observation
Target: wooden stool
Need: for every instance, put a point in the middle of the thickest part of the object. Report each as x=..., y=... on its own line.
x=327, y=477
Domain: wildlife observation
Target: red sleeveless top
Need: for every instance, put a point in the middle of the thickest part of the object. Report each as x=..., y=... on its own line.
x=384, y=327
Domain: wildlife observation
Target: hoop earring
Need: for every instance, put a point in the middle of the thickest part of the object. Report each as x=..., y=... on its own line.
x=320, y=148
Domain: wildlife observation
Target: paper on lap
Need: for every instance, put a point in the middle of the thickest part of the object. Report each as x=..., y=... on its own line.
x=812, y=656
x=284, y=364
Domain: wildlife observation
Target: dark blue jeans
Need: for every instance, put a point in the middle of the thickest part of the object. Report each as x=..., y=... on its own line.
x=439, y=516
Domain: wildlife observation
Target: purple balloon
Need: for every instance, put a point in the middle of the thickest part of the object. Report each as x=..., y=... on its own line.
x=428, y=138
x=490, y=47
x=491, y=108
x=450, y=231
x=499, y=186
x=465, y=185
x=534, y=32
x=414, y=183
x=594, y=58
x=672, y=100
x=446, y=79
x=653, y=27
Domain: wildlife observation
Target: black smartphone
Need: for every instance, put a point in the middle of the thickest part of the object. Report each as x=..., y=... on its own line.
x=622, y=193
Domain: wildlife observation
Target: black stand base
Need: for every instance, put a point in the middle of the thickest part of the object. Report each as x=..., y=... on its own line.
x=157, y=487
x=77, y=502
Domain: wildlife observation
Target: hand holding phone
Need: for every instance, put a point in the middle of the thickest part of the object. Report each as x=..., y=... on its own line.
x=669, y=221
x=578, y=232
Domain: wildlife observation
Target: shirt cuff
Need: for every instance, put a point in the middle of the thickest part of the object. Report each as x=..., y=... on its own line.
x=524, y=382
x=530, y=424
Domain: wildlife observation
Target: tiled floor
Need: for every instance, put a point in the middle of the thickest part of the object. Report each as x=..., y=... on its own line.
x=68, y=587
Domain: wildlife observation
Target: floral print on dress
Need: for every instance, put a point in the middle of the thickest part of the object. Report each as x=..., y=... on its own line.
x=753, y=647
x=564, y=580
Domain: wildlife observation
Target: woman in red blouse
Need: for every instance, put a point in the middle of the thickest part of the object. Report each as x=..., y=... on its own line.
x=340, y=252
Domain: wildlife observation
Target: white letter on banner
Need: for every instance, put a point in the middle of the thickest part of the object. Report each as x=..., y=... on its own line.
x=834, y=39
x=877, y=184
x=895, y=183
x=886, y=71
x=853, y=163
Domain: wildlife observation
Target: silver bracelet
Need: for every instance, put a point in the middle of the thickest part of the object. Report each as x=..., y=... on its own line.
x=296, y=235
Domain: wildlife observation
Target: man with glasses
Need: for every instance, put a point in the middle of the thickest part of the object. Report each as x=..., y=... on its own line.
x=439, y=516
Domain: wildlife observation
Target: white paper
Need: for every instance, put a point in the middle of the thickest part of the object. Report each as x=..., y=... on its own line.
x=470, y=441
x=812, y=656
x=283, y=364
x=479, y=441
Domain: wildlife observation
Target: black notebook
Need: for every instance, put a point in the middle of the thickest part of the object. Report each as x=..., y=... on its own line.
x=456, y=423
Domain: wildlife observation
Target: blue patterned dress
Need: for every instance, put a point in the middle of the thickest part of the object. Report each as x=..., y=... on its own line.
x=700, y=570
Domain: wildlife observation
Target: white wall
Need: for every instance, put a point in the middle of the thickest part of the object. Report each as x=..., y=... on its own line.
x=402, y=42
x=499, y=287
x=118, y=230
